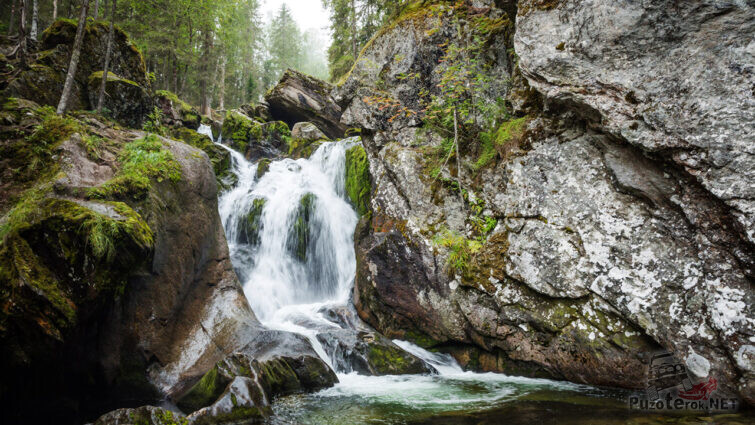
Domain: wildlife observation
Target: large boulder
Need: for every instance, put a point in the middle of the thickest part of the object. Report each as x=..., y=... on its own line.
x=126, y=101
x=176, y=112
x=255, y=139
x=299, y=98
x=574, y=250
x=42, y=81
x=116, y=281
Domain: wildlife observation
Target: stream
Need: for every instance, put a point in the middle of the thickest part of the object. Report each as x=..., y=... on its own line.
x=290, y=234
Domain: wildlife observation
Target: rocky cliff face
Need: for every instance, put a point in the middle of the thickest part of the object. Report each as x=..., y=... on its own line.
x=605, y=209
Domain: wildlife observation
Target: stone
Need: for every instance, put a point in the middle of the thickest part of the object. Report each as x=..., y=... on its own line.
x=176, y=112
x=308, y=132
x=127, y=102
x=145, y=415
x=301, y=98
x=604, y=241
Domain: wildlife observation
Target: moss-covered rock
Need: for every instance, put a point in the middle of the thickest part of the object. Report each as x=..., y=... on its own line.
x=238, y=130
x=205, y=392
x=300, y=148
x=358, y=180
x=300, y=236
x=251, y=225
x=145, y=415
x=42, y=81
x=219, y=157
x=263, y=167
x=176, y=112
x=127, y=102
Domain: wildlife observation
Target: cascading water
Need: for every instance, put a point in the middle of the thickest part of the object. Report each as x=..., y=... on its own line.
x=290, y=232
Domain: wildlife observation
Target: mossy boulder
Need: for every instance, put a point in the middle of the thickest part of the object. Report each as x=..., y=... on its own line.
x=42, y=81
x=145, y=415
x=176, y=112
x=251, y=225
x=255, y=139
x=300, y=235
x=102, y=230
x=263, y=167
x=219, y=157
x=274, y=364
x=127, y=102
x=358, y=180
x=307, y=131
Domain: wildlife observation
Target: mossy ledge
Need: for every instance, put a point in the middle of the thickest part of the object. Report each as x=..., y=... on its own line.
x=358, y=180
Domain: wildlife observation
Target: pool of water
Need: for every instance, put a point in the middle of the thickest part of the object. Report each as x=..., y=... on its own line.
x=472, y=398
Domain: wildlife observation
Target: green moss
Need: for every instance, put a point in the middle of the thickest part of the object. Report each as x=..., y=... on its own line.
x=95, y=77
x=387, y=360
x=205, y=392
x=239, y=130
x=460, y=250
x=252, y=224
x=140, y=161
x=299, y=148
x=502, y=142
x=298, y=240
x=263, y=167
x=421, y=339
x=358, y=185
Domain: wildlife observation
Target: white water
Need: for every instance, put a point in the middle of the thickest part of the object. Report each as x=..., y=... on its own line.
x=288, y=294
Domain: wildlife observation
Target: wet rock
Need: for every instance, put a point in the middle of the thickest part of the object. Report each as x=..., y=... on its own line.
x=301, y=98
x=145, y=415
x=274, y=363
x=370, y=353
x=242, y=402
x=134, y=294
x=299, y=238
x=251, y=226
x=358, y=180
x=219, y=157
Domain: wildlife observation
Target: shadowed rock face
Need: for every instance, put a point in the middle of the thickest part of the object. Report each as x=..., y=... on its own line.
x=299, y=98
x=128, y=89
x=612, y=235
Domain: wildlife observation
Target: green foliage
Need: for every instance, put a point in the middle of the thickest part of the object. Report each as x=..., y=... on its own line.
x=502, y=142
x=140, y=161
x=358, y=185
x=154, y=122
x=51, y=130
x=460, y=249
x=93, y=145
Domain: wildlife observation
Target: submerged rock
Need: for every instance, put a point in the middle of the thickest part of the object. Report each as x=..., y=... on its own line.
x=273, y=364
x=301, y=98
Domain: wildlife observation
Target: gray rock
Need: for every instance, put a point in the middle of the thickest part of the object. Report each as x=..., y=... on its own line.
x=612, y=241
x=299, y=97
x=307, y=131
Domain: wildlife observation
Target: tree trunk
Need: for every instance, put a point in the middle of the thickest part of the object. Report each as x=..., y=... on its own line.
x=204, y=92
x=12, y=16
x=22, y=32
x=221, y=91
x=101, y=97
x=75, y=54
x=354, y=47
x=96, y=9
x=54, y=10
x=34, y=19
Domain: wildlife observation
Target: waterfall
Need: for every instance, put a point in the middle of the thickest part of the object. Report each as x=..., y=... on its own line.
x=290, y=232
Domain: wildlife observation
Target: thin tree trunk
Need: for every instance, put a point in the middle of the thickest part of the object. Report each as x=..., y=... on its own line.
x=75, y=54
x=54, y=10
x=458, y=158
x=34, y=19
x=22, y=33
x=12, y=16
x=96, y=9
x=354, y=30
x=204, y=92
x=105, y=72
x=221, y=92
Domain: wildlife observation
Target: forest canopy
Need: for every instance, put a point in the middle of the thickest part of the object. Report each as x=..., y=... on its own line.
x=220, y=53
